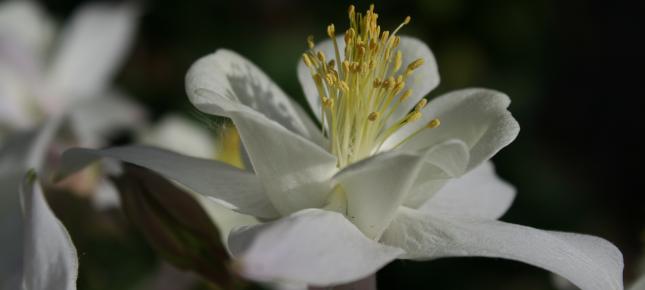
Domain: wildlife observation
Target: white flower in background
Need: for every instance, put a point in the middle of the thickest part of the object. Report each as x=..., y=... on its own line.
x=49, y=80
x=390, y=176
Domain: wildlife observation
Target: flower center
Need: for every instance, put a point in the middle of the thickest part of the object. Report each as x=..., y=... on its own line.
x=360, y=90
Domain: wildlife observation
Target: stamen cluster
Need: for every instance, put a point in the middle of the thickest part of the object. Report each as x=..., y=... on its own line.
x=360, y=90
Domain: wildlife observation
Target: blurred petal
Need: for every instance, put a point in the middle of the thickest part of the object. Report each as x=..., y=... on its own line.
x=479, y=117
x=92, y=47
x=93, y=120
x=589, y=262
x=181, y=135
x=424, y=79
x=376, y=187
x=26, y=27
x=317, y=247
x=478, y=194
x=224, y=218
x=50, y=260
x=639, y=284
x=239, y=190
x=225, y=81
x=295, y=172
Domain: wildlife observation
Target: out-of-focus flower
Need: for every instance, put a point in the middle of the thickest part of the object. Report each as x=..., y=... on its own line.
x=382, y=181
x=50, y=80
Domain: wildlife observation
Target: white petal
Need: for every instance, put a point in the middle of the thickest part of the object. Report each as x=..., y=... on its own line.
x=224, y=81
x=239, y=190
x=441, y=163
x=317, y=247
x=479, y=117
x=181, y=135
x=295, y=172
x=24, y=25
x=589, y=262
x=224, y=218
x=93, y=120
x=478, y=194
x=50, y=260
x=92, y=47
x=421, y=82
x=376, y=187
x=18, y=153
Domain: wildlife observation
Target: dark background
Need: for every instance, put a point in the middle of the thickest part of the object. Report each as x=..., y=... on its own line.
x=573, y=69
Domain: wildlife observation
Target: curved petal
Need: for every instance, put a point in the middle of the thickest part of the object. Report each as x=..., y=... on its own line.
x=295, y=173
x=317, y=247
x=224, y=81
x=224, y=218
x=589, y=262
x=239, y=190
x=478, y=194
x=50, y=260
x=424, y=79
x=92, y=47
x=479, y=117
x=376, y=187
x=442, y=162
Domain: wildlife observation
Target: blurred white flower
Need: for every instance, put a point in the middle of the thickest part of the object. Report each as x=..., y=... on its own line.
x=51, y=79
x=383, y=180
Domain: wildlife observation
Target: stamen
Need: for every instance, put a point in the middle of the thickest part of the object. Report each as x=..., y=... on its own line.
x=361, y=91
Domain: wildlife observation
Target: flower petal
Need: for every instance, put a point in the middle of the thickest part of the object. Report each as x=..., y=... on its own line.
x=94, y=120
x=478, y=194
x=181, y=135
x=24, y=25
x=50, y=260
x=239, y=190
x=589, y=262
x=224, y=81
x=424, y=79
x=442, y=162
x=479, y=117
x=376, y=187
x=296, y=173
x=317, y=247
x=92, y=46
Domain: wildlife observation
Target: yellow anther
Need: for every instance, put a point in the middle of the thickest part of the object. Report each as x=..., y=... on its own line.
x=398, y=87
x=405, y=95
x=331, y=63
x=321, y=56
x=344, y=87
x=331, y=30
x=433, y=124
x=327, y=102
x=420, y=105
x=415, y=64
x=385, y=36
x=310, y=42
x=391, y=82
x=306, y=60
x=373, y=116
x=415, y=115
x=346, y=67
x=377, y=82
x=351, y=11
x=396, y=42
x=407, y=20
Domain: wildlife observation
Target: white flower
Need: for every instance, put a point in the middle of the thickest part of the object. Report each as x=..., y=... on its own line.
x=44, y=74
x=48, y=80
x=381, y=182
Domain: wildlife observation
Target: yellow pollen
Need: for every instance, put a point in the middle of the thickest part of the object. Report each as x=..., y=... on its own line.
x=364, y=88
x=310, y=42
x=433, y=124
